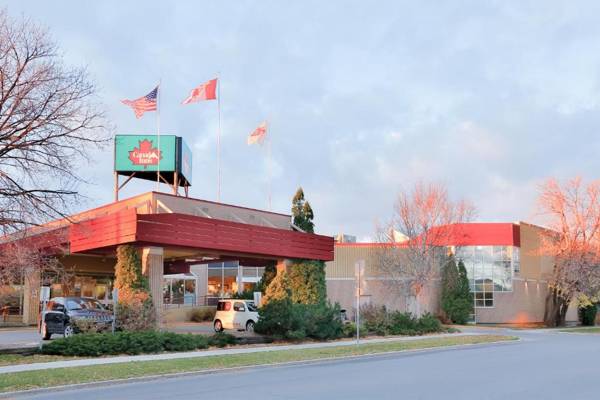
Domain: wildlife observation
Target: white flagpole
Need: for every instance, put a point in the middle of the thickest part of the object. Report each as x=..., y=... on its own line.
x=219, y=138
x=269, y=163
x=158, y=96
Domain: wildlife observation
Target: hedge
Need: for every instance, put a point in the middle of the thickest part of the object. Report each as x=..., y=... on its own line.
x=101, y=344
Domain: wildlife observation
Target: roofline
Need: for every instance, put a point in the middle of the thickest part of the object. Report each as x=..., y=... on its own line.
x=222, y=204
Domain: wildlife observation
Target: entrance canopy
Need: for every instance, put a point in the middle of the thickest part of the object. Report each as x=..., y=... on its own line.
x=184, y=228
x=203, y=235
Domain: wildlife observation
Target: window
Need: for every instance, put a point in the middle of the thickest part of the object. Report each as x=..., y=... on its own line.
x=493, y=266
x=239, y=306
x=252, y=307
x=224, y=306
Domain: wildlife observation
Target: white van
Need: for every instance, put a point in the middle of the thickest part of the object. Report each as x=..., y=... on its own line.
x=235, y=314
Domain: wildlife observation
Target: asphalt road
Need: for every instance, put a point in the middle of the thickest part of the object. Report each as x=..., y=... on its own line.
x=542, y=366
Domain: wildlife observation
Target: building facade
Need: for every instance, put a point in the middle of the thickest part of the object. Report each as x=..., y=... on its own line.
x=507, y=274
x=193, y=251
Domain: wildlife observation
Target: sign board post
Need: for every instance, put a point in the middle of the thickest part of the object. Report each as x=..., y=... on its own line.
x=115, y=297
x=359, y=272
x=44, y=298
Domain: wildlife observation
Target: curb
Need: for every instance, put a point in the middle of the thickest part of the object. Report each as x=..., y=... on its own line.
x=174, y=375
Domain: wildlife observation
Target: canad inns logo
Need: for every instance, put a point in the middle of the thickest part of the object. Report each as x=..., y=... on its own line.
x=146, y=154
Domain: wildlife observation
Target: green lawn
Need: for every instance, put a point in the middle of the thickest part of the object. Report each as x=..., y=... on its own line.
x=12, y=359
x=62, y=376
x=588, y=329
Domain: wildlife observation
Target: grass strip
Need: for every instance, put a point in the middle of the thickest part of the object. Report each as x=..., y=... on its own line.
x=590, y=329
x=62, y=376
x=15, y=359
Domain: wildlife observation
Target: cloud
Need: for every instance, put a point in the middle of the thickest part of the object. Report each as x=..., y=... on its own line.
x=489, y=98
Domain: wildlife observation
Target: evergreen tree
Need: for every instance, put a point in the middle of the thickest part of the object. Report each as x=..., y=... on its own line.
x=464, y=297
x=302, y=212
x=278, y=289
x=266, y=279
x=450, y=277
x=457, y=299
x=307, y=282
x=449, y=284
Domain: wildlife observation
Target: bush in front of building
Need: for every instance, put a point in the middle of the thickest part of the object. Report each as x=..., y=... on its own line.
x=136, y=313
x=284, y=319
x=377, y=320
x=587, y=314
x=203, y=314
x=102, y=344
x=374, y=319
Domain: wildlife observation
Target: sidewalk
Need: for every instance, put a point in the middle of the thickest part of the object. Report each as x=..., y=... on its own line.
x=207, y=353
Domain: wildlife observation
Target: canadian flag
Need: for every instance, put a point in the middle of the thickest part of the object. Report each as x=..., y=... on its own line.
x=258, y=136
x=206, y=91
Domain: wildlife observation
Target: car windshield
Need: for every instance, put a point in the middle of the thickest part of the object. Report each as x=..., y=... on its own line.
x=84, y=304
x=252, y=307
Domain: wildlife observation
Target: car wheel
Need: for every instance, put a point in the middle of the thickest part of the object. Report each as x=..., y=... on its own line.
x=250, y=326
x=218, y=326
x=45, y=334
x=68, y=332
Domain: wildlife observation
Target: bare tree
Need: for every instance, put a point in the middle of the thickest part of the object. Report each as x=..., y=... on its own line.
x=49, y=122
x=426, y=219
x=27, y=256
x=573, y=210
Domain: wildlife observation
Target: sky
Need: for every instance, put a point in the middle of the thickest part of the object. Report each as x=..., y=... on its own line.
x=489, y=98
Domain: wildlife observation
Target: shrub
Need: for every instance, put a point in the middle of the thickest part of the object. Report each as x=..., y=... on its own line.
x=378, y=321
x=222, y=339
x=402, y=324
x=136, y=314
x=286, y=320
x=428, y=323
x=202, y=314
x=101, y=344
x=374, y=318
x=349, y=330
x=587, y=314
x=247, y=294
x=87, y=326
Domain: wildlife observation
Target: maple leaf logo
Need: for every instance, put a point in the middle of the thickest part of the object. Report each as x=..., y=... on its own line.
x=145, y=154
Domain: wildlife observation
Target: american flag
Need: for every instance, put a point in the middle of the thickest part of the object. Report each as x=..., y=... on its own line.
x=143, y=104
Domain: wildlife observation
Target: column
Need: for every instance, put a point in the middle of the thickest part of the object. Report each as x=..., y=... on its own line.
x=31, y=296
x=282, y=265
x=153, y=268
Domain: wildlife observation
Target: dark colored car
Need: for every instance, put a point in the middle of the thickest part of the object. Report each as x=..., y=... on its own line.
x=62, y=313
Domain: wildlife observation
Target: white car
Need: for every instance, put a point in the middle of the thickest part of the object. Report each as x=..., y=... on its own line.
x=235, y=314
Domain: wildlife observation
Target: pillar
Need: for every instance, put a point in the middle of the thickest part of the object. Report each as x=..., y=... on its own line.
x=31, y=297
x=282, y=265
x=153, y=268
